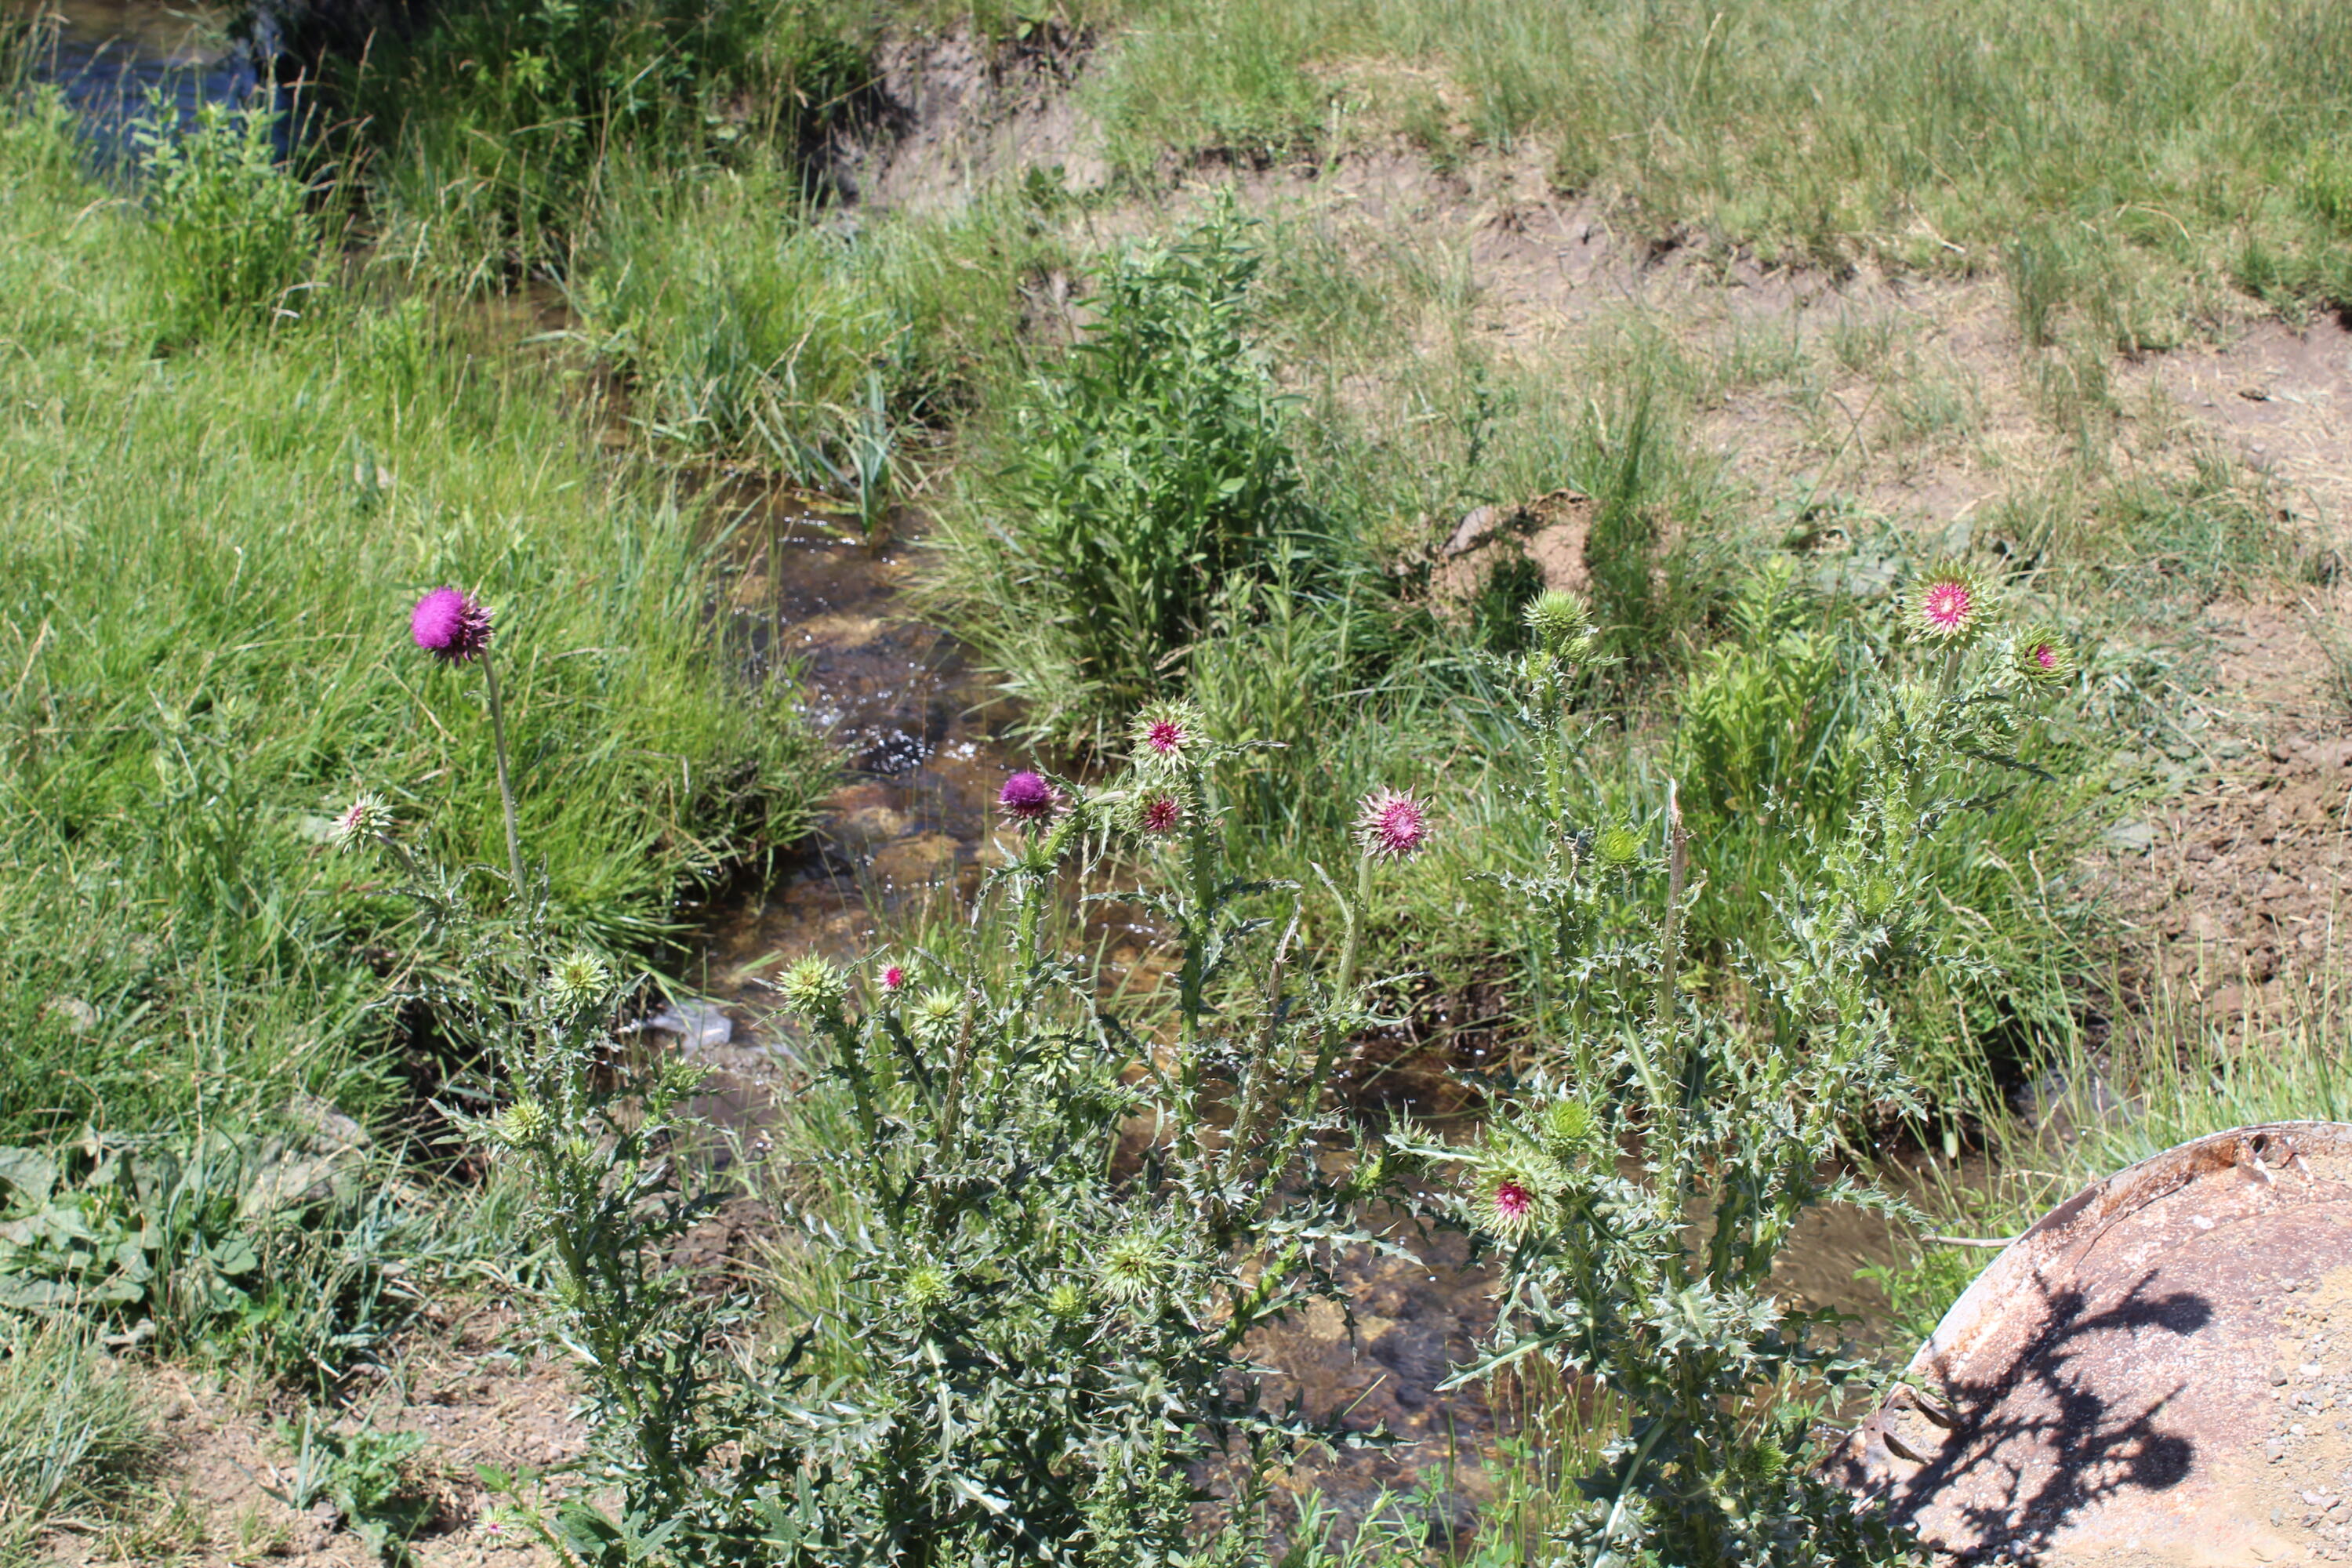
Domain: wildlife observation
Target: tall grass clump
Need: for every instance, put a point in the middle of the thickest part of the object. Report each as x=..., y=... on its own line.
x=186, y=550
x=751, y=328
x=75, y=1437
x=1146, y=477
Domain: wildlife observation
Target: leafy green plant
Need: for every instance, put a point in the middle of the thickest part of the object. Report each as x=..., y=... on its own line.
x=290, y=1257
x=1141, y=474
x=236, y=242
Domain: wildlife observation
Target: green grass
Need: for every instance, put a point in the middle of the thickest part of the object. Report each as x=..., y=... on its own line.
x=76, y=1439
x=206, y=565
x=2120, y=162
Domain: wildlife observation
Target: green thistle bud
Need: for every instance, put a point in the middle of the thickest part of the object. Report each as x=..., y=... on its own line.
x=2043, y=657
x=924, y=1289
x=579, y=981
x=522, y=1125
x=935, y=1015
x=1876, y=895
x=1067, y=1302
x=578, y=1150
x=1132, y=1266
x=1618, y=844
x=812, y=987
x=1559, y=619
x=1568, y=1124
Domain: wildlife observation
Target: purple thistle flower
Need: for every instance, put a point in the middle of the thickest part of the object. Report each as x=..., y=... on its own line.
x=1161, y=815
x=1026, y=797
x=893, y=978
x=1512, y=1200
x=450, y=625
x=1392, y=824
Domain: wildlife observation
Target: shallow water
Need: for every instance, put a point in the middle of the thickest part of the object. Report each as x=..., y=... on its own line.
x=112, y=58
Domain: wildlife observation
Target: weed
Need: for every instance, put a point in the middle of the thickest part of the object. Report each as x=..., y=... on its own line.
x=369, y=1477
x=1142, y=477
x=236, y=242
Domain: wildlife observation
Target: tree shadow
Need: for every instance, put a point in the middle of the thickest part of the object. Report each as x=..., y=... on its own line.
x=2026, y=1451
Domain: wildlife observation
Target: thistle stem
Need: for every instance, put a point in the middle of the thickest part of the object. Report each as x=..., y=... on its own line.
x=506, y=784
x=1354, y=916
x=1677, y=869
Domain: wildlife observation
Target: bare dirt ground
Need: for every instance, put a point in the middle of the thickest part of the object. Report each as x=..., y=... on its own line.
x=1918, y=399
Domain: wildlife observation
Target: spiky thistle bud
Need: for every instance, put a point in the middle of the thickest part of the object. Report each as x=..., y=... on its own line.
x=1168, y=735
x=935, y=1014
x=1559, y=620
x=1133, y=1266
x=1567, y=1125
x=924, y=1289
x=2043, y=656
x=812, y=987
x=579, y=981
x=522, y=1125
x=1152, y=812
x=1067, y=1302
x=1618, y=846
x=366, y=819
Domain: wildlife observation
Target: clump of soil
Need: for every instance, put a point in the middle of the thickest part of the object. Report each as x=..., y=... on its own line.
x=2239, y=879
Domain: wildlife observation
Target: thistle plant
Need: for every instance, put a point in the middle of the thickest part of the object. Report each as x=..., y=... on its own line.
x=1064, y=1224
x=1639, y=1182
x=596, y=1133
x=1057, y=1226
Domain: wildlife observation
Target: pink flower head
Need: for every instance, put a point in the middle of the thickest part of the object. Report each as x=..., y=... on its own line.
x=1159, y=816
x=894, y=978
x=1951, y=604
x=1167, y=734
x=1512, y=1202
x=450, y=625
x=1026, y=797
x=1392, y=824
